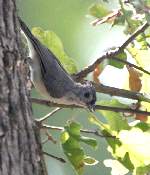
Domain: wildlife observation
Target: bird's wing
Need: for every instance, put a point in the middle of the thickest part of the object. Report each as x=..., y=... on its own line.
x=55, y=77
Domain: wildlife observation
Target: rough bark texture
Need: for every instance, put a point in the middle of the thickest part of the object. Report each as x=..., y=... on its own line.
x=20, y=148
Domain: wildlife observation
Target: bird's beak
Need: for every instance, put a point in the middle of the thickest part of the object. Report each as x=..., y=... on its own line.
x=91, y=107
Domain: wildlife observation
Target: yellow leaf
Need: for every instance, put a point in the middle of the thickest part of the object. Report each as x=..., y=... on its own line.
x=134, y=79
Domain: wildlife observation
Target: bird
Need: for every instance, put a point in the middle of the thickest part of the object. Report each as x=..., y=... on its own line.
x=50, y=78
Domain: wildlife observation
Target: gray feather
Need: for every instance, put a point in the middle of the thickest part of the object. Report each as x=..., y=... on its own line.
x=56, y=79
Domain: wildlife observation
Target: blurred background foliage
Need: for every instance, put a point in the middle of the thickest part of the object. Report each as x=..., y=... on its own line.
x=69, y=19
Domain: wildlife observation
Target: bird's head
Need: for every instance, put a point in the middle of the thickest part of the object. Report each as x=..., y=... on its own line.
x=83, y=95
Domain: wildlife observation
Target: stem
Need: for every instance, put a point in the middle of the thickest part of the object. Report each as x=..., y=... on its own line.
x=48, y=115
x=95, y=132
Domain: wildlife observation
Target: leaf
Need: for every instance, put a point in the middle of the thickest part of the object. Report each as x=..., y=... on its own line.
x=54, y=44
x=133, y=152
x=96, y=73
x=143, y=126
x=89, y=141
x=122, y=157
x=98, y=10
x=127, y=162
x=106, y=131
x=74, y=153
x=134, y=79
x=112, y=141
x=118, y=64
x=73, y=128
x=119, y=20
x=143, y=170
x=70, y=140
x=90, y=161
x=141, y=117
x=115, y=120
x=64, y=137
x=93, y=119
x=142, y=58
x=136, y=143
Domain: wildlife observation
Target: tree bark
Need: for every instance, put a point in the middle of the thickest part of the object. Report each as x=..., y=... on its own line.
x=20, y=146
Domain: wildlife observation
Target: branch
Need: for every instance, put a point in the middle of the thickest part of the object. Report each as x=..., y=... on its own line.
x=97, y=107
x=110, y=54
x=120, y=92
x=95, y=132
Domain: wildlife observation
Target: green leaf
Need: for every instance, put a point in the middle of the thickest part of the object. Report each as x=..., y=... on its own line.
x=89, y=141
x=64, y=137
x=127, y=162
x=53, y=43
x=140, y=38
x=112, y=141
x=98, y=10
x=115, y=120
x=70, y=140
x=90, y=161
x=143, y=170
x=118, y=64
x=136, y=142
x=93, y=119
x=74, y=153
x=120, y=20
x=107, y=132
x=143, y=126
x=73, y=128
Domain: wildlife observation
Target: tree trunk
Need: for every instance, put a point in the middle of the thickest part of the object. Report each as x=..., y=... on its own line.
x=20, y=147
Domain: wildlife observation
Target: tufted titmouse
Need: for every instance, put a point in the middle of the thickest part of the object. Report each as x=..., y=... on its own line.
x=50, y=78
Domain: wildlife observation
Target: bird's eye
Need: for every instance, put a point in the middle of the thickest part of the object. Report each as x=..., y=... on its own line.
x=86, y=94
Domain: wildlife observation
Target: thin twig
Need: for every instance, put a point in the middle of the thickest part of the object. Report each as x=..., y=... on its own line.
x=83, y=73
x=57, y=128
x=55, y=157
x=95, y=132
x=97, y=107
x=110, y=54
x=109, y=17
x=131, y=65
x=48, y=115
